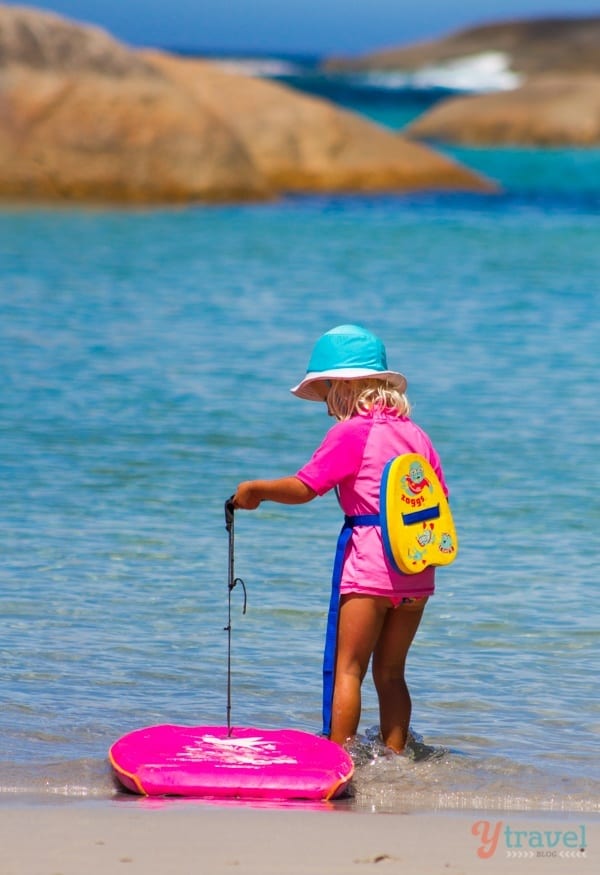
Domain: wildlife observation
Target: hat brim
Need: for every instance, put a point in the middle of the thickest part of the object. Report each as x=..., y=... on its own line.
x=308, y=390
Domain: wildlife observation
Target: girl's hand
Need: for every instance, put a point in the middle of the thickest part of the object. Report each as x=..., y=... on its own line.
x=246, y=496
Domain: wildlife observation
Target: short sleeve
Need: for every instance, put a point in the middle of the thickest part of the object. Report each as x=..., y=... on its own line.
x=339, y=456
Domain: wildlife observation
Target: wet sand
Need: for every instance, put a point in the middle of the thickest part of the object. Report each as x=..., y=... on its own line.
x=192, y=838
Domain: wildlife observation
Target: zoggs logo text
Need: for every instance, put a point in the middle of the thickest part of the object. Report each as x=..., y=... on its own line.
x=530, y=843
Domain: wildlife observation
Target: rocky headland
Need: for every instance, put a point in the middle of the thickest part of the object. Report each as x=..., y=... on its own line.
x=556, y=63
x=560, y=45
x=546, y=111
x=84, y=117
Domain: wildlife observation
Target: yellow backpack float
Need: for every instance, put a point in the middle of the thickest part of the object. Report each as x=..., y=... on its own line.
x=416, y=523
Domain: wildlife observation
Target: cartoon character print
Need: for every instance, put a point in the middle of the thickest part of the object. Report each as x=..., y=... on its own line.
x=417, y=557
x=427, y=536
x=426, y=539
x=446, y=544
x=415, y=482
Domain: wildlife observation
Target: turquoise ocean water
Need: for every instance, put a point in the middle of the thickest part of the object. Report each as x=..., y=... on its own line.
x=146, y=357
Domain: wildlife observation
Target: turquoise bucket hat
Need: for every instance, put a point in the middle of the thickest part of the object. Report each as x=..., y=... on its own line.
x=347, y=352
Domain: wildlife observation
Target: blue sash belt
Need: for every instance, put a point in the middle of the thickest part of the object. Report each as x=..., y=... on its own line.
x=367, y=519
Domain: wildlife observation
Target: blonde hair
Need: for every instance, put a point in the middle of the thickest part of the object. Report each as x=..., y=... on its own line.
x=348, y=398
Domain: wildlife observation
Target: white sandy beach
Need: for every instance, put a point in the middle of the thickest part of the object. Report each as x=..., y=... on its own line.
x=195, y=838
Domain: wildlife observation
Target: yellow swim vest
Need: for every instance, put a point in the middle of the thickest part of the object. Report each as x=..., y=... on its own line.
x=416, y=522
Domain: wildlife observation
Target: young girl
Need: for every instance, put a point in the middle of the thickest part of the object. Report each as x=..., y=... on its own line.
x=379, y=608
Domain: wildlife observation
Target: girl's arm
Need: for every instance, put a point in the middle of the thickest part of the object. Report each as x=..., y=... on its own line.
x=285, y=490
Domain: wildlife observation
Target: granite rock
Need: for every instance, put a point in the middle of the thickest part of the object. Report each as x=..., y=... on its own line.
x=304, y=144
x=547, y=110
x=532, y=46
x=556, y=101
x=83, y=117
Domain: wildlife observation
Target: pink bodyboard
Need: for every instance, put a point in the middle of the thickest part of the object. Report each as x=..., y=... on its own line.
x=247, y=763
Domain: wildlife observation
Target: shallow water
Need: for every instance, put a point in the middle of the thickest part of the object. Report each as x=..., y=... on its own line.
x=146, y=360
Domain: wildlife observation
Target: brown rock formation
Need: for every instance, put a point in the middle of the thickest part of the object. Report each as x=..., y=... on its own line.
x=84, y=138
x=302, y=144
x=42, y=41
x=560, y=45
x=557, y=104
x=545, y=111
x=84, y=117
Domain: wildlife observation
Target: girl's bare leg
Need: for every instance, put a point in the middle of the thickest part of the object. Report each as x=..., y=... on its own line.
x=389, y=660
x=361, y=620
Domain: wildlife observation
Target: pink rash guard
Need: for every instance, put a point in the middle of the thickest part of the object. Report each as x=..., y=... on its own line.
x=352, y=457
